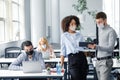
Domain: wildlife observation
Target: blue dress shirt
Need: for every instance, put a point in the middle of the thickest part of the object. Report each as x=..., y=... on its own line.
x=17, y=64
x=70, y=43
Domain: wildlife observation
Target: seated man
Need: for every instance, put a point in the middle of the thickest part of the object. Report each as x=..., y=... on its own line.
x=29, y=54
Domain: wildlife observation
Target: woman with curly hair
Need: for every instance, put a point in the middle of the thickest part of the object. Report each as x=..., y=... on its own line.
x=70, y=39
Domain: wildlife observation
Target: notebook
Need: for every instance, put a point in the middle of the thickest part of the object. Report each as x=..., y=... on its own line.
x=32, y=67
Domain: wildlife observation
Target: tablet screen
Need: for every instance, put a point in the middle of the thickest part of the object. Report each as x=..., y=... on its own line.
x=85, y=44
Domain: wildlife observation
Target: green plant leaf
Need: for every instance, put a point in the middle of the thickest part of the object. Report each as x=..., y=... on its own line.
x=81, y=6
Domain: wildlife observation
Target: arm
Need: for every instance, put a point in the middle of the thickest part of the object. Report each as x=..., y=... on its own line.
x=63, y=51
x=62, y=60
x=16, y=65
x=110, y=46
x=41, y=60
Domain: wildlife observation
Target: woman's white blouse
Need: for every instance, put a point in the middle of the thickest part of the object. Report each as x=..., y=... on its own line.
x=70, y=43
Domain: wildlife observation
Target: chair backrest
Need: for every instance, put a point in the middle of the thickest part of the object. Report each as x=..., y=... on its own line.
x=12, y=52
x=116, y=44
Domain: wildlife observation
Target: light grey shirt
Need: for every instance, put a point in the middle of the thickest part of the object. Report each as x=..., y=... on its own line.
x=70, y=43
x=107, y=37
x=17, y=64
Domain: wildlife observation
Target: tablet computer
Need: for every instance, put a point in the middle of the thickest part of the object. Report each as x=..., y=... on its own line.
x=85, y=44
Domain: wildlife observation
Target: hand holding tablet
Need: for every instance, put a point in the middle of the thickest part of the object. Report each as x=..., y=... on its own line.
x=85, y=44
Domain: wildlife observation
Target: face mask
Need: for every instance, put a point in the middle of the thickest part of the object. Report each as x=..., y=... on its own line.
x=101, y=25
x=30, y=59
x=43, y=46
x=29, y=52
x=73, y=28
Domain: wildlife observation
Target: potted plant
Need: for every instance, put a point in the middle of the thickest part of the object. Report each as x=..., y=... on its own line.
x=81, y=6
x=93, y=14
x=48, y=70
x=117, y=57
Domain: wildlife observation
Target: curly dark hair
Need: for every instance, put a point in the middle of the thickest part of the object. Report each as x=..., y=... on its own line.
x=66, y=22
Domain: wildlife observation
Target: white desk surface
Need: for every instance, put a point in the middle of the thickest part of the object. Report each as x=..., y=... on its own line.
x=86, y=50
x=20, y=74
x=9, y=60
x=58, y=50
x=56, y=60
x=55, y=50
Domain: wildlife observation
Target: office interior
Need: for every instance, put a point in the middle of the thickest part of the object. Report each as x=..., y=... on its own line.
x=38, y=18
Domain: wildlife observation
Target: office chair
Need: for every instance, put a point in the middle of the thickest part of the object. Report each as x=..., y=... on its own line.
x=116, y=46
x=12, y=52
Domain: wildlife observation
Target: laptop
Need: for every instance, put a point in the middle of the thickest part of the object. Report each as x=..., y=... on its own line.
x=32, y=67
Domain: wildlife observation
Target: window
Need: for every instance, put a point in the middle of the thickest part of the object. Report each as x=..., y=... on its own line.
x=15, y=19
x=111, y=8
x=2, y=21
x=2, y=31
x=11, y=20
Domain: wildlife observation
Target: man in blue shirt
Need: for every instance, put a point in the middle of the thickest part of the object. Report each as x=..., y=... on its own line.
x=29, y=54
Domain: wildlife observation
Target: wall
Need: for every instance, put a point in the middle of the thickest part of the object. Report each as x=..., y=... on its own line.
x=65, y=9
x=89, y=28
x=27, y=20
x=38, y=29
x=52, y=21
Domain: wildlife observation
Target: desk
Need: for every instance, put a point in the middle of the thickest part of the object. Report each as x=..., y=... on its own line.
x=58, y=60
x=6, y=60
x=9, y=60
x=20, y=74
x=85, y=50
x=58, y=50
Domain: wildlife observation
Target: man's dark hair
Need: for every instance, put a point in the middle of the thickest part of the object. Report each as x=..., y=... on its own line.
x=66, y=22
x=26, y=43
x=101, y=15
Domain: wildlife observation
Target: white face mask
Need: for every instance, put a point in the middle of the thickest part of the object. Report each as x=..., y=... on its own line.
x=43, y=46
x=73, y=28
x=101, y=25
x=30, y=59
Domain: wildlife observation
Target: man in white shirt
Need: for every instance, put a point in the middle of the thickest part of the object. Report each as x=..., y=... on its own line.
x=105, y=47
